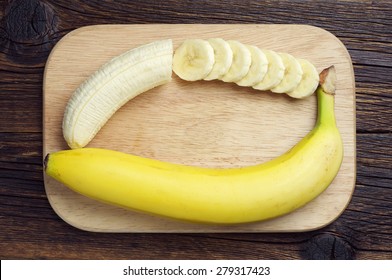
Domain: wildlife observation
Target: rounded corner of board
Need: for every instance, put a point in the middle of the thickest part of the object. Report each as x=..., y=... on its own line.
x=69, y=219
x=333, y=37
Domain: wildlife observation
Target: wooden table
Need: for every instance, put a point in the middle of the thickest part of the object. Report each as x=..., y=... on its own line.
x=30, y=229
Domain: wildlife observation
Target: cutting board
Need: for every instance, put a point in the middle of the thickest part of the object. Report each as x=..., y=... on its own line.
x=209, y=124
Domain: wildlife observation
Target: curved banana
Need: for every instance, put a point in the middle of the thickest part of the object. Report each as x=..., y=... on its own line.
x=222, y=196
x=114, y=84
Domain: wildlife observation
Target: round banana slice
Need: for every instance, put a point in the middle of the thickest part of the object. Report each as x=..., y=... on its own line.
x=309, y=82
x=223, y=58
x=274, y=73
x=241, y=62
x=193, y=60
x=258, y=68
x=292, y=74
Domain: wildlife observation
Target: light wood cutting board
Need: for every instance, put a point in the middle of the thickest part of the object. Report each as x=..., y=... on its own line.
x=210, y=124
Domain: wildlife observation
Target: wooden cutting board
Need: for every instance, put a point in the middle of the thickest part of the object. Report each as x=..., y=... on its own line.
x=210, y=124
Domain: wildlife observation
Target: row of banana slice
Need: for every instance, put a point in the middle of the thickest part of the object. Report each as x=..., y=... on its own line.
x=245, y=65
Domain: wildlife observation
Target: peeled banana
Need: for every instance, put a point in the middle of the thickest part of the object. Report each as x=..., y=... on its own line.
x=220, y=196
x=109, y=88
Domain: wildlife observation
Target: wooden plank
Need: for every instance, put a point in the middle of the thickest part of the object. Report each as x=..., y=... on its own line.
x=231, y=122
x=45, y=236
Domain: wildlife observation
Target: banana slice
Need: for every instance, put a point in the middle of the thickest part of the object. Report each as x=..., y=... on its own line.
x=275, y=71
x=292, y=74
x=242, y=59
x=258, y=68
x=223, y=58
x=309, y=82
x=193, y=60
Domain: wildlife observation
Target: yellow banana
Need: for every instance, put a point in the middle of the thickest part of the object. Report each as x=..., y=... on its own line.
x=222, y=196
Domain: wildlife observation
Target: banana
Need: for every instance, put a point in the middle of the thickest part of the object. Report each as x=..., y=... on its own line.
x=275, y=71
x=245, y=65
x=242, y=59
x=309, y=81
x=258, y=68
x=114, y=84
x=292, y=74
x=223, y=58
x=207, y=195
x=193, y=60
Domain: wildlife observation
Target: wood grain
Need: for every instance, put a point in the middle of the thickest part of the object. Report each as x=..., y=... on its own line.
x=29, y=227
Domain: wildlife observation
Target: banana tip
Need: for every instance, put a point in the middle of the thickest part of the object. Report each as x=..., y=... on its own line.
x=46, y=161
x=328, y=80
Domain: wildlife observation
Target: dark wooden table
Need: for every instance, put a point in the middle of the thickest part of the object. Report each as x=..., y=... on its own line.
x=29, y=228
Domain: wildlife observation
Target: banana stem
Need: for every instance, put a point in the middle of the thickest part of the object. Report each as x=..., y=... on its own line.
x=326, y=97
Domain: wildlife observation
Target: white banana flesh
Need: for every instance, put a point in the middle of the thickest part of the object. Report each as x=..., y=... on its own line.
x=275, y=71
x=223, y=58
x=151, y=65
x=309, y=81
x=245, y=65
x=258, y=68
x=242, y=59
x=193, y=60
x=113, y=85
x=292, y=74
